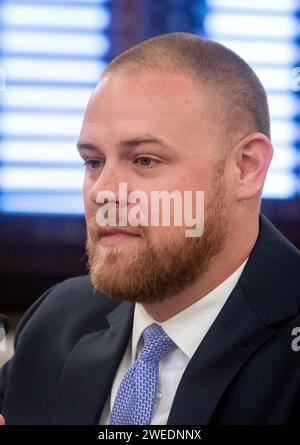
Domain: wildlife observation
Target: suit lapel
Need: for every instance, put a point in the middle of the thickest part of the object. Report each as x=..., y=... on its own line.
x=234, y=336
x=90, y=368
x=263, y=298
x=247, y=320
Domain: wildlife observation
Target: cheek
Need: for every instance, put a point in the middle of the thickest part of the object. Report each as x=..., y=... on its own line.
x=89, y=205
x=86, y=188
x=88, y=210
x=192, y=179
x=162, y=236
x=177, y=180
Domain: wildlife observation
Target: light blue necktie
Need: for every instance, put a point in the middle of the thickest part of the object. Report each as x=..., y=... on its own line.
x=136, y=395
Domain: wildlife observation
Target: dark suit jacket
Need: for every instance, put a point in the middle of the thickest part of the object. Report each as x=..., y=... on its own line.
x=70, y=342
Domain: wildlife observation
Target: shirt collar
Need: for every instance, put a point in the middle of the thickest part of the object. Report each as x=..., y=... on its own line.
x=187, y=328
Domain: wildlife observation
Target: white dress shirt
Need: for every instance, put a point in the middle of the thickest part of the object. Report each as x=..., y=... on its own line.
x=187, y=329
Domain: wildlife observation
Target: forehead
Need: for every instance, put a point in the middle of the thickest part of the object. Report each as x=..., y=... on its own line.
x=145, y=91
x=169, y=105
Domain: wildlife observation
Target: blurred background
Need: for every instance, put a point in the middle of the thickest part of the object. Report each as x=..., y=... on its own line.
x=51, y=55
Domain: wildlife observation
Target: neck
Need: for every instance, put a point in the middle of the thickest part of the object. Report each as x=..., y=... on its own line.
x=236, y=249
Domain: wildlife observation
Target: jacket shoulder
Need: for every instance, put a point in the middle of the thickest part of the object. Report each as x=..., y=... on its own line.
x=69, y=304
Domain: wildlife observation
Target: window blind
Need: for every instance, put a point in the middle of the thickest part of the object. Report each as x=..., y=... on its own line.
x=52, y=54
x=264, y=33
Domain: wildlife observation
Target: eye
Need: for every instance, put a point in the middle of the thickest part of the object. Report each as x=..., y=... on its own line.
x=92, y=164
x=145, y=161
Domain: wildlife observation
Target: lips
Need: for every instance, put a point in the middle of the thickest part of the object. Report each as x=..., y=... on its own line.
x=116, y=237
x=110, y=232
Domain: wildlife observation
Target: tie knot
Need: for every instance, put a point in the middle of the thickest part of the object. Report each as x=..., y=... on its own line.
x=157, y=343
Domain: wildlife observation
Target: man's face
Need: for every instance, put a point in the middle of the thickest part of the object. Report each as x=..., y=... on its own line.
x=152, y=131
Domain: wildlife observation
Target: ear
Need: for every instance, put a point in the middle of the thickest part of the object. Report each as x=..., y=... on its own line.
x=253, y=155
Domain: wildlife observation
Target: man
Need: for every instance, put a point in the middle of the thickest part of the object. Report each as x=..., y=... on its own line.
x=169, y=329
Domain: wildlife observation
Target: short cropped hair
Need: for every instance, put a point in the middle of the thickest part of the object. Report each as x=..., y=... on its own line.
x=240, y=96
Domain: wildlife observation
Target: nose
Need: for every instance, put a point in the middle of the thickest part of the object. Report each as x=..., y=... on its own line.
x=108, y=181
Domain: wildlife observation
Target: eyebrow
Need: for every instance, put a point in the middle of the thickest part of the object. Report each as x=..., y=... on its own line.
x=128, y=144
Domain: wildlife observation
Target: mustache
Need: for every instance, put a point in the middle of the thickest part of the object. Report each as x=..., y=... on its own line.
x=95, y=229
